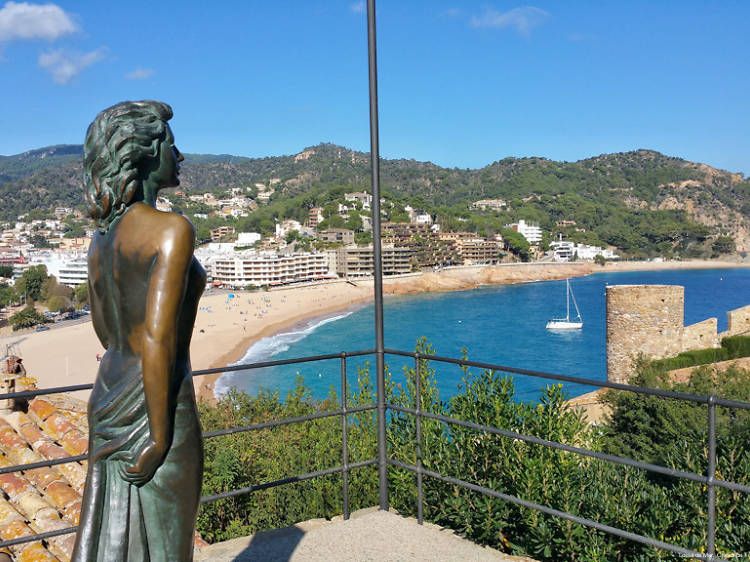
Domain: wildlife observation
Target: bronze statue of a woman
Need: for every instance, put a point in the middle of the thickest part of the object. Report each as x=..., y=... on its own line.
x=145, y=447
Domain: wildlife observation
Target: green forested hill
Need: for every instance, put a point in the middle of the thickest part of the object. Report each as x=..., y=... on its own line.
x=639, y=201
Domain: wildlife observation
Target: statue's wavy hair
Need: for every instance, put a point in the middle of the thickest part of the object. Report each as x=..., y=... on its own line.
x=121, y=148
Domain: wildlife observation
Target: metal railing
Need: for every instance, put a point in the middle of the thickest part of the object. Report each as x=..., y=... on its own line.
x=383, y=460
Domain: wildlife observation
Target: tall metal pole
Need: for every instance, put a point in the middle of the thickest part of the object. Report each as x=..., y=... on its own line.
x=711, y=523
x=377, y=261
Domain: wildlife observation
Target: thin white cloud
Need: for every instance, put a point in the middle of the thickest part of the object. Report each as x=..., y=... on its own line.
x=358, y=7
x=64, y=65
x=523, y=19
x=20, y=20
x=140, y=74
x=450, y=13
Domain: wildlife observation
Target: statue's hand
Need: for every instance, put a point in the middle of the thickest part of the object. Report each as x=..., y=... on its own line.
x=148, y=460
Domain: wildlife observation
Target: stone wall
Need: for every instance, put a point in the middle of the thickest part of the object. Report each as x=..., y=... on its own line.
x=648, y=320
x=642, y=319
x=739, y=322
x=701, y=335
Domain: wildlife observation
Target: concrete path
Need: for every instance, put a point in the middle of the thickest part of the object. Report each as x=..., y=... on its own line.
x=368, y=535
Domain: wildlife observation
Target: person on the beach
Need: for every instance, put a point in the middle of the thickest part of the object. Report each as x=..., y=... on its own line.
x=145, y=446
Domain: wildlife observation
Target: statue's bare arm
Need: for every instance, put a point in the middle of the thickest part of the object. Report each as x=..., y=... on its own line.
x=100, y=327
x=166, y=291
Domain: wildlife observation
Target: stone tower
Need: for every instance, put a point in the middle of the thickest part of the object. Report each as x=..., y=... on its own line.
x=642, y=319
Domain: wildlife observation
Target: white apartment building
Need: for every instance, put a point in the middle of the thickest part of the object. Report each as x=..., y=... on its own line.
x=268, y=268
x=248, y=238
x=70, y=268
x=361, y=196
x=421, y=218
x=74, y=272
x=564, y=250
x=493, y=204
x=532, y=232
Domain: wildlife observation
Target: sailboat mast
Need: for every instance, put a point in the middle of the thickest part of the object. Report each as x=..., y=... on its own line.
x=567, y=300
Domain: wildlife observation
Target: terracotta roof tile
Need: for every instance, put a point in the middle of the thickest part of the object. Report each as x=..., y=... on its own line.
x=41, y=408
x=58, y=425
x=73, y=512
x=14, y=485
x=61, y=495
x=8, y=513
x=10, y=440
x=27, y=552
x=36, y=553
x=33, y=505
x=43, y=477
x=32, y=434
x=51, y=451
x=75, y=443
x=61, y=546
x=15, y=529
x=75, y=474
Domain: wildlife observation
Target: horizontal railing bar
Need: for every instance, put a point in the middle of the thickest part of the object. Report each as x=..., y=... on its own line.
x=279, y=362
x=290, y=480
x=478, y=364
x=206, y=435
x=208, y=499
x=39, y=537
x=576, y=450
x=276, y=423
x=41, y=391
x=730, y=485
x=554, y=512
x=228, y=368
x=42, y=464
x=578, y=380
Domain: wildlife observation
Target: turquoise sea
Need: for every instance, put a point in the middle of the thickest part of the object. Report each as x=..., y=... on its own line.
x=499, y=324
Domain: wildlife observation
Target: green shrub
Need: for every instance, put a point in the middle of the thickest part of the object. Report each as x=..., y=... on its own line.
x=737, y=346
x=26, y=318
x=693, y=358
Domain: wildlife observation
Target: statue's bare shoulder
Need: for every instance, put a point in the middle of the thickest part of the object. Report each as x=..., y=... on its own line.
x=167, y=233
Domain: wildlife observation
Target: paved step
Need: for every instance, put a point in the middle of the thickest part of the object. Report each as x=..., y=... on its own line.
x=368, y=535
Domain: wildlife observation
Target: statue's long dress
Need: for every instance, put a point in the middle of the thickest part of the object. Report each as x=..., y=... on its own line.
x=123, y=522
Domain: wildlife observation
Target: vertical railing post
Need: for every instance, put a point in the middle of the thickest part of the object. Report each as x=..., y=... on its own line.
x=418, y=431
x=344, y=437
x=377, y=261
x=711, y=488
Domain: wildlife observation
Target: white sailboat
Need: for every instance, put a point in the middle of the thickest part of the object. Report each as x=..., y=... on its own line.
x=566, y=323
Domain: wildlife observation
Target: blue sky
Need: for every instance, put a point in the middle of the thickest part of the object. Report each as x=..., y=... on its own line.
x=462, y=83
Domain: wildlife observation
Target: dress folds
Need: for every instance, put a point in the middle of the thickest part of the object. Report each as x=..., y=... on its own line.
x=120, y=521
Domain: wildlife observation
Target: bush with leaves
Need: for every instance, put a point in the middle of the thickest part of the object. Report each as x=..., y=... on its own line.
x=26, y=318
x=257, y=457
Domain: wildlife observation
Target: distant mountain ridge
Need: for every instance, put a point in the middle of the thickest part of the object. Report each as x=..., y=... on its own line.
x=21, y=165
x=642, y=180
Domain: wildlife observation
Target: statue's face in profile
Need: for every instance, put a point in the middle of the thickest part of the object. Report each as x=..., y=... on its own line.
x=166, y=175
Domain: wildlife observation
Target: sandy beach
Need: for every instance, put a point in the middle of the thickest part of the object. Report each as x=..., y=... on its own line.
x=228, y=323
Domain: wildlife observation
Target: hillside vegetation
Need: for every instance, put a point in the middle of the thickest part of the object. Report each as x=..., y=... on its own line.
x=642, y=202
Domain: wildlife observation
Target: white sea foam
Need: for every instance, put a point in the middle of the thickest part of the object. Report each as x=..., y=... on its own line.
x=266, y=348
